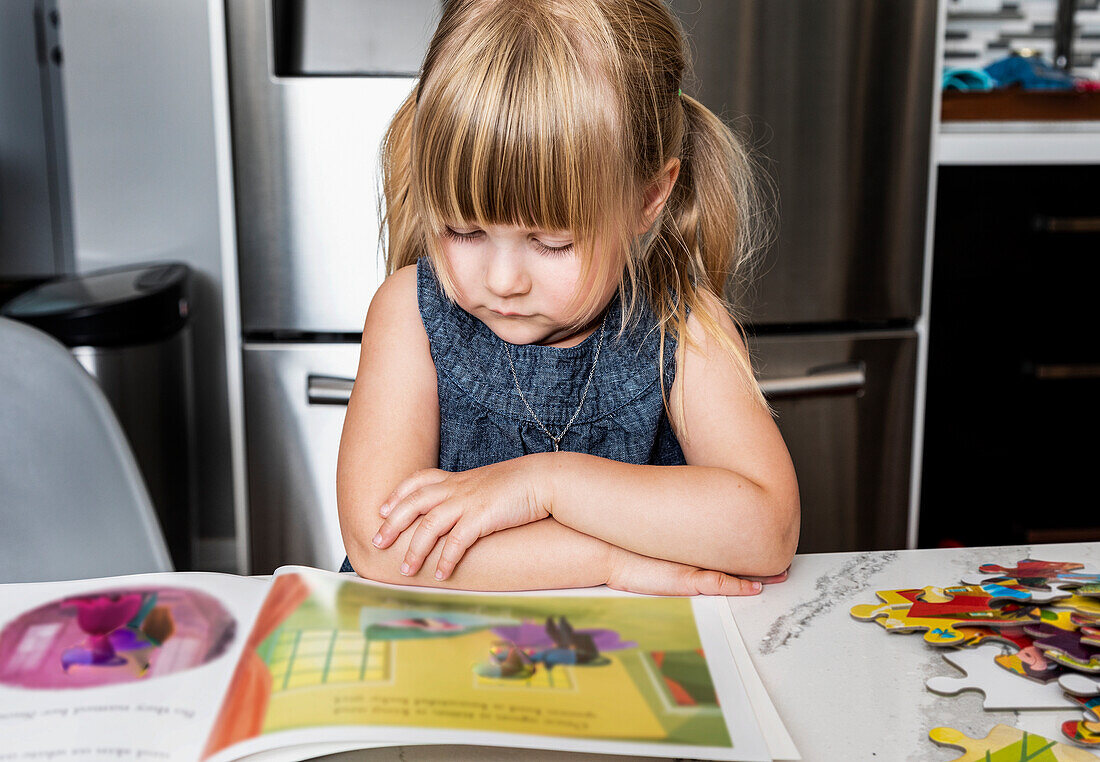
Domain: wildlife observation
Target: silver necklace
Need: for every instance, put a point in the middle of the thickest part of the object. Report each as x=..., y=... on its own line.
x=592, y=372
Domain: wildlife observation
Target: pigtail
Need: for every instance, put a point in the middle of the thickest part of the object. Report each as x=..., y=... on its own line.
x=716, y=224
x=400, y=234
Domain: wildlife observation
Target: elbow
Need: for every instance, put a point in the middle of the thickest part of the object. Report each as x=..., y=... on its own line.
x=783, y=531
x=362, y=560
x=769, y=549
x=365, y=559
x=371, y=563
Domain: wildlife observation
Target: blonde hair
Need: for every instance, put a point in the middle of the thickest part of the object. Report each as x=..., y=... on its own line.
x=558, y=115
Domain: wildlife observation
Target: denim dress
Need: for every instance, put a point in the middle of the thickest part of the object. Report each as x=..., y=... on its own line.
x=483, y=418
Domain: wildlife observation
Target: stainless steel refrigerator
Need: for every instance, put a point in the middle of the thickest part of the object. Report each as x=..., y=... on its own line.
x=837, y=96
x=843, y=89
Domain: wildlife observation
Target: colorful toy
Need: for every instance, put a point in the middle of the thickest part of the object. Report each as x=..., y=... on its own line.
x=1005, y=744
x=1065, y=647
x=942, y=611
x=1082, y=732
x=1002, y=689
x=1050, y=582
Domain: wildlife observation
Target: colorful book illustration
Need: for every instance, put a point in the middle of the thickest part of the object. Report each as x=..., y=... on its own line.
x=216, y=667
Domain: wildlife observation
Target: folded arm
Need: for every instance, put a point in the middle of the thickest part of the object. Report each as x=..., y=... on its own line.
x=391, y=430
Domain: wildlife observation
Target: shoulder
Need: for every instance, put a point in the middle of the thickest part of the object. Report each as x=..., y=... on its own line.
x=394, y=332
x=711, y=314
x=394, y=306
x=397, y=294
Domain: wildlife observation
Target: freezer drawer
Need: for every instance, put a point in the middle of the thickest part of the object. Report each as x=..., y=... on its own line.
x=293, y=436
x=844, y=404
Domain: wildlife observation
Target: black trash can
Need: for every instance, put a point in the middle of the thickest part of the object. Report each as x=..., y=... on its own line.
x=128, y=327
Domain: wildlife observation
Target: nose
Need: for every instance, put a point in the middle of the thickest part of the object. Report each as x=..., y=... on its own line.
x=506, y=275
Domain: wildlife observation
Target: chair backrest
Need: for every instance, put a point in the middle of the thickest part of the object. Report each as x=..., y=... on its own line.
x=72, y=500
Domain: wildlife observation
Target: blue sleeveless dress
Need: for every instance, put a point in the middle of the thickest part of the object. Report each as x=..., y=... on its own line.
x=483, y=419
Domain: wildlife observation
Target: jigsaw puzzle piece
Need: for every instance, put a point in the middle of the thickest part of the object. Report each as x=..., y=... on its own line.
x=942, y=611
x=1082, y=732
x=1082, y=604
x=1080, y=685
x=1002, y=689
x=972, y=635
x=1066, y=647
x=1090, y=666
x=1032, y=663
x=1092, y=589
x=1006, y=744
x=1048, y=580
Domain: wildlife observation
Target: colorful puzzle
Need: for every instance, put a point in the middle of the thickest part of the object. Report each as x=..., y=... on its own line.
x=942, y=611
x=1068, y=648
x=1005, y=744
x=1082, y=732
x=1003, y=690
x=1038, y=620
x=1062, y=584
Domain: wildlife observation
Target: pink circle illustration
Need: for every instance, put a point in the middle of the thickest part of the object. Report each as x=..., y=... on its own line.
x=114, y=636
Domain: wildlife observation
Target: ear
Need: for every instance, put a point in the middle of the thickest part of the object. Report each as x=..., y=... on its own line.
x=657, y=194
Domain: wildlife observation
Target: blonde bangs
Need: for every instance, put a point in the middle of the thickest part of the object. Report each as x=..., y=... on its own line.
x=514, y=138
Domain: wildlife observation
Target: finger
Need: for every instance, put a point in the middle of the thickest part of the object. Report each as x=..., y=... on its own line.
x=411, y=483
x=462, y=536
x=773, y=579
x=406, y=511
x=434, y=525
x=709, y=582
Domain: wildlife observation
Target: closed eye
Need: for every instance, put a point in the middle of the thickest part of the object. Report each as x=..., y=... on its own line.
x=454, y=235
x=553, y=250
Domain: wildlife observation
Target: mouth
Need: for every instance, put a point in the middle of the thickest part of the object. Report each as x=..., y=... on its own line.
x=510, y=314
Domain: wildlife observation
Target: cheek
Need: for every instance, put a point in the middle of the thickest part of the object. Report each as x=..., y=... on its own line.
x=560, y=280
x=463, y=267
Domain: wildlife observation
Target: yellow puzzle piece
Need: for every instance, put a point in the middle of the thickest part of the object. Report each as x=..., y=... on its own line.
x=1006, y=744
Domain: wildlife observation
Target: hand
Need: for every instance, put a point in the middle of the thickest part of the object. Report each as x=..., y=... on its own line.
x=464, y=506
x=635, y=573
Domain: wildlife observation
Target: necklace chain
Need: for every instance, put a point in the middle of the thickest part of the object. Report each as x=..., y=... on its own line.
x=591, y=373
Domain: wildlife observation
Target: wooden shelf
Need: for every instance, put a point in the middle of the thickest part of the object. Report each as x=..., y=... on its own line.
x=1014, y=104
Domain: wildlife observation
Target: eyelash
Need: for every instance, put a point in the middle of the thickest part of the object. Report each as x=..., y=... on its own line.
x=551, y=251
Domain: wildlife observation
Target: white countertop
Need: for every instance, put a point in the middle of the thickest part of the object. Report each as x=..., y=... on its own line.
x=846, y=690
x=1008, y=142
x=850, y=690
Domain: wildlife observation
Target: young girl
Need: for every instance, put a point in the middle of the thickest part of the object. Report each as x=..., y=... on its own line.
x=551, y=391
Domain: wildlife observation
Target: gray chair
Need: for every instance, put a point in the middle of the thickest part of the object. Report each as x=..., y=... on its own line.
x=72, y=500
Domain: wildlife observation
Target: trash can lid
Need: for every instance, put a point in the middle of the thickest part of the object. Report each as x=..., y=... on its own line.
x=108, y=308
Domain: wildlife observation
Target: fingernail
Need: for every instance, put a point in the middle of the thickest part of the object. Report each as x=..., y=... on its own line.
x=405, y=569
x=756, y=587
x=384, y=511
x=438, y=574
x=377, y=540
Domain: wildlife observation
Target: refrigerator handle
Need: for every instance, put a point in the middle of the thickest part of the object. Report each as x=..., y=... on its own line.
x=328, y=390
x=830, y=379
x=848, y=378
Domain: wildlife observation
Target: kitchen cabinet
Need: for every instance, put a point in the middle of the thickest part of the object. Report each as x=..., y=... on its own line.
x=1014, y=364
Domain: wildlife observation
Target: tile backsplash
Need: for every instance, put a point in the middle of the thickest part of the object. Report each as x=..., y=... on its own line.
x=981, y=31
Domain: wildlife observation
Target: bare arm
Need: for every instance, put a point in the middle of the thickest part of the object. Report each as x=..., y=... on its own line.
x=734, y=507
x=391, y=430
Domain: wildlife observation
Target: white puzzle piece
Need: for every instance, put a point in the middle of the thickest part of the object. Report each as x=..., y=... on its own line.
x=1080, y=685
x=1003, y=690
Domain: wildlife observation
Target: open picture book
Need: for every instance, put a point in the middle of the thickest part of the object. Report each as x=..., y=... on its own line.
x=196, y=666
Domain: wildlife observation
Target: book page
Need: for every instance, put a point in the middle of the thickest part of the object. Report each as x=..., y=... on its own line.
x=120, y=668
x=334, y=658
